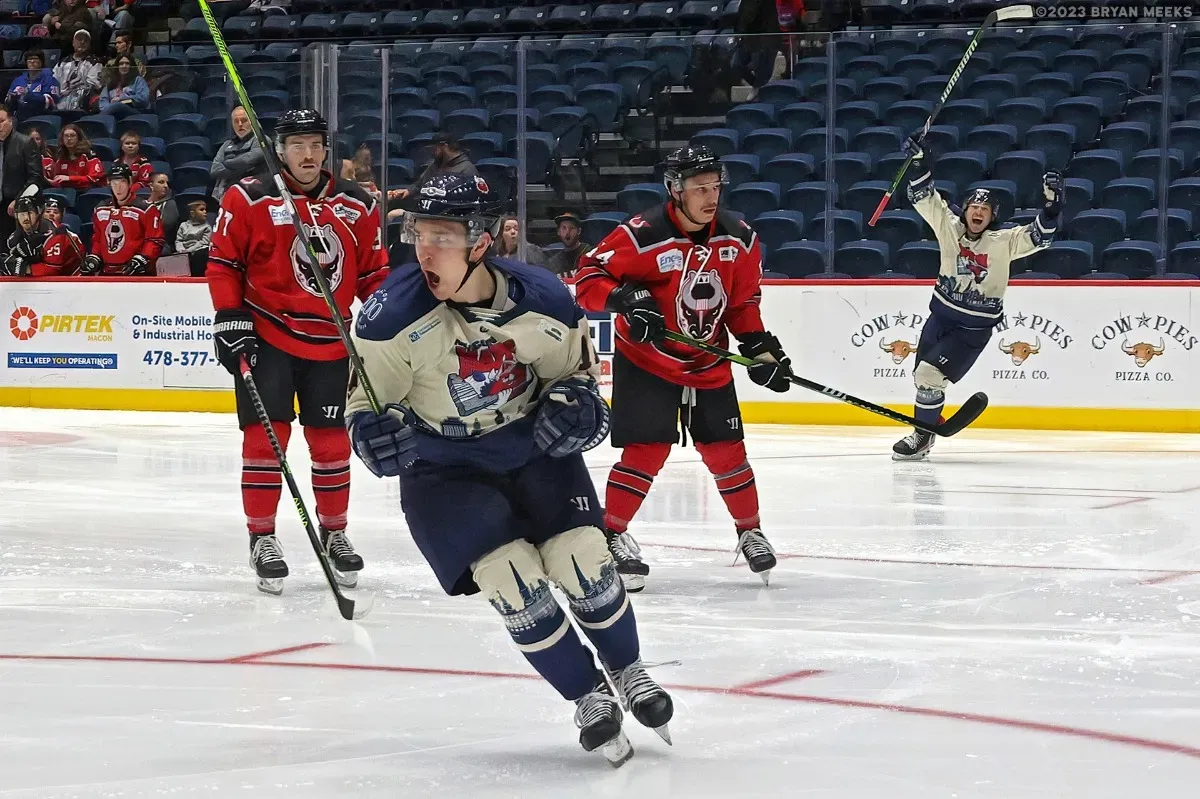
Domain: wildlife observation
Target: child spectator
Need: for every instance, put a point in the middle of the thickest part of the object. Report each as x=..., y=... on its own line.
x=76, y=166
x=131, y=156
x=34, y=91
x=194, y=237
x=78, y=77
x=127, y=92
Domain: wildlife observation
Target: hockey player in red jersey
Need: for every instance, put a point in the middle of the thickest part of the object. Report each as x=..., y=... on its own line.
x=127, y=233
x=692, y=268
x=40, y=247
x=270, y=311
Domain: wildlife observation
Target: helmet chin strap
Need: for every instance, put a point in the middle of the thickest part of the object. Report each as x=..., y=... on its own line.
x=472, y=265
x=677, y=199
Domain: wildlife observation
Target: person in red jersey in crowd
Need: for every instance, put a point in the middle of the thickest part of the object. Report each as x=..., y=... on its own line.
x=270, y=311
x=131, y=156
x=75, y=165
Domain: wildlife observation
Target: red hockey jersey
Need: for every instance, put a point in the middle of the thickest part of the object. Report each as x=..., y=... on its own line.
x=48, y=251
x=80, y=173
x=142, y=170
x=257, y=261
x=703, y=290
x=121, y=232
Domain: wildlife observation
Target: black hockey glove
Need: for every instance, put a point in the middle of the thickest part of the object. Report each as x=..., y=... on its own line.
x=139, y=265
x=572, y=417
x=92, y=265
x=234, y=337
x=916, y=151
x=775, y=366
x=387, y=444
x=646, y=321
x=15, y=266
x=1054, y=193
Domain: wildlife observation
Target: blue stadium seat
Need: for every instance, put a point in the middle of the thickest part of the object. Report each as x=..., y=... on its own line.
x=1133, y=196
x=768, y=143
x=700, y=14
x=866, y=68
x=489, y=77
x=1100, y=227
x=587, y=73
x=638, y=197
x=482, y=21
x=1067, y=259
x=406, y=77
x=192, y=148
x=749, y=117
x=993, y=89
x=798, y=259
x=1078, y=63
x=546, y=98
x=505, y=122
x=482, y=144
x=887, y=168
x=361, y=23
x=1025, y=168
x=992, y=140
x=190, y=175
x=49, y=126
x=280, y=26
x=570, y=53
x=539, y=76
x=411, y=124
x=500, y=174
x=466, y=121
x=540, y=153
x=844, y=90
x=598, y=225
x=656, y=15
x=722, y=141
x=1136, y=259
x=154, y=148
x=453, y=98
x=788, y=169
x=1145, y=164
x=1148, y=109
x=437, y=21
x=169, y=105
x=1179, y=226
x=524, y=19
x=864, y=196
x=894, y=48
x=1104, y=276
x=1057, y=141
x=1081, y=196
x=604, y=102
x=1024, y=65
x=898, y=228
x=800, y=118
x=964, y=114
x=810, y=70
x=848, y=168
x=1185, y=258
x=847, y=226
x=1111, y=88
x=86, y=202
x=879, y=141
x=740, y=168
x=1053, y=87
x=639, y=80
x=612, y=16
x=775, y=228
x=857, y=115
x=1051, y=40
x=913, y=68
x=98, y=126
x=943, y=139
x=883, y=92
x=930, y=89
x=809, y=198
x=68, y=196
x=411, y=98
x=754, y=198
x=1185, y=193
x=673, y=53
x=1104, y=41
x=814, y=141
x=1083, y=113
x=909, y=114
x=962, y=167
x=1101, y=165
x=438, y=78
x=489, y=52
x=106, y=149
x=1138, y=63
x=319, y=26
x=499, y=98
x=1022, y=113
x=1185, y=136
x=863, y=258
x=780, y=93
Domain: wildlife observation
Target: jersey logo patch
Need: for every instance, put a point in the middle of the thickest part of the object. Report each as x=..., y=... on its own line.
x=729, y=254
x=114, y=235
x=280, y=215
x=489, y=374
x=670, y=261
x=701, y=301
x=972, y=263
x=328, y=248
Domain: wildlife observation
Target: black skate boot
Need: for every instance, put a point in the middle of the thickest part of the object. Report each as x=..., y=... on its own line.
x=630, y=566
x=345, y=562
x=644, y=698
x=759, y=554
x=266, y=556
x=598, y=717
x=913, y=447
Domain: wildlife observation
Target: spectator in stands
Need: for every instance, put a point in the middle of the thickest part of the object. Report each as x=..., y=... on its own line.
x=67, y=17
x=123, y=46
x=162, y=198
x=509, y=243
x=19, y=167
x=79, y=77
x=564, y=262
x=34, y=91
x=119, y=17
x=447, y=157
x=127, y=92
x=239, y=157
x=131, y=156
x=43, y=150
x=75, y=165
x=362, y=160
x=194, y=237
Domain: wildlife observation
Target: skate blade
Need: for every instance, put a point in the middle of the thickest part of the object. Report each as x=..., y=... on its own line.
x=920, y=456
x=346, y=579
x=271, y=585
x=634, y=583
x=766, y=578
x=664, y=733
x=618, y=751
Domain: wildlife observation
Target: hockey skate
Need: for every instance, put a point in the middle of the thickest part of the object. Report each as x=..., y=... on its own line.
x=266, y=556
x=913, y=447
x=598, y=717
x=345, y=562
x=627, y=555
x=759, y=554
x=644, y=698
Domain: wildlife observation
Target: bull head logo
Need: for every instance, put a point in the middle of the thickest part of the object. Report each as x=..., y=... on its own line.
x=1020, y=350
x=900, y=349
x=1142, y=353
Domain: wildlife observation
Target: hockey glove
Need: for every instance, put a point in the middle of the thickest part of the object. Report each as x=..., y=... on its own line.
x=92, y=265
x=646, y=321
x=774, y=368
x=387, y=444
x=138, y=265
x=233, y=338
x=572, y=417
x=1053, y=191
x=915, y=150
x=15, y=266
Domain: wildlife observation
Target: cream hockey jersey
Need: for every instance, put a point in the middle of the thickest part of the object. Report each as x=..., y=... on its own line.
x=973, y=274
x=471, y=375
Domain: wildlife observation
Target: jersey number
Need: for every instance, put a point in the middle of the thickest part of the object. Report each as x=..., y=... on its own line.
x=223, y=220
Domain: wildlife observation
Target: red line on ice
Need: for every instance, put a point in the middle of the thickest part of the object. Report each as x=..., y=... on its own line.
x=1163, y=578
x=782, y=678
x=287, y=650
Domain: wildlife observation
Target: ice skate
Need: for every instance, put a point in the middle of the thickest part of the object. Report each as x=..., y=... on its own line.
x=759, y=554
x=627, y=554
x=266, y=556
x=914, y=446
x=598, y=717
x=345, y=562
x=644, y=698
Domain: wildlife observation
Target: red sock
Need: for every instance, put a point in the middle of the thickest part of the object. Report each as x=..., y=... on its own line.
x=735, y=480
x=262, y=479
x=330, y=450
x=629, y=482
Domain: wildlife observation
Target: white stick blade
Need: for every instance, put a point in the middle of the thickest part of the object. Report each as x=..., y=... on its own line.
x=1015, y=12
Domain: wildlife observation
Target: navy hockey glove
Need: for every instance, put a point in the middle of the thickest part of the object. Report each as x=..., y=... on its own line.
x=387, y=444
x=139, y=265
x=646, y=321
x=234, y=337
x=92, y=265
x=774, y=365
x=1053, y=192
x=572, y=417
x=915, y=150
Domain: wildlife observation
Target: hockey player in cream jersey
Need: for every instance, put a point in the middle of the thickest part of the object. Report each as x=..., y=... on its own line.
x=489, y=381
x=968, y=299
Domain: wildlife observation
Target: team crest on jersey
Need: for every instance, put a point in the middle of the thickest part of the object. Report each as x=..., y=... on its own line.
x=328, y=248
x=481, y=184
x=488, y=375
x=114, y=235
x=972, y=263
x=701, y=300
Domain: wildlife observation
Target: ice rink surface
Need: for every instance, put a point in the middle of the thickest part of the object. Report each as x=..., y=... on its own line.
x=1018, y=617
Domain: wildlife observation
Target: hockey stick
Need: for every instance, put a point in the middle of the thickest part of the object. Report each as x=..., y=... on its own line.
x=276, y=170
x=345, y=605
x=969, y=412
x=1011, y=12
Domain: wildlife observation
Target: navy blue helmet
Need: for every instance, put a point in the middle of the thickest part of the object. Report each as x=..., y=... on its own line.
x=455, y=197
x=688, y=162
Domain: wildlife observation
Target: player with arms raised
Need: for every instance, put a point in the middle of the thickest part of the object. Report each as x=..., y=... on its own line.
x=489, y=381
x=968, y=298
x=270, y=311
x=688, y=267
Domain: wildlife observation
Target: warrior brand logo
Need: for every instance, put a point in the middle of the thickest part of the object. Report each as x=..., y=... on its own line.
x=1138, y=342
x=972, y=263
x=488, y=376
x=328, y=249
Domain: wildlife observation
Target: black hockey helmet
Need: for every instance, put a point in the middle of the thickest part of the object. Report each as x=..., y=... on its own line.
x=980, y=196
x=300, y=121
x=56, y=203
x=28, y=203
x=456, y=198
x=120, y=171
x=688, y=162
